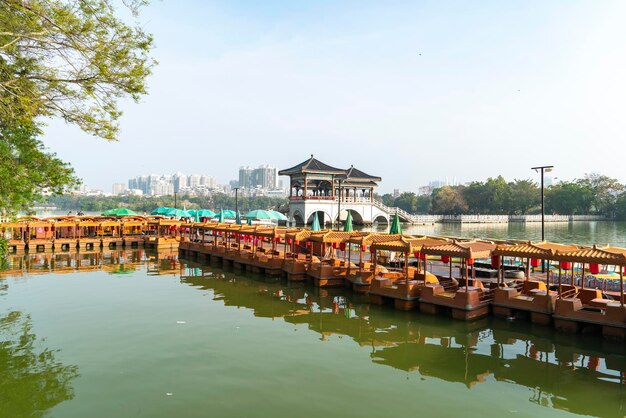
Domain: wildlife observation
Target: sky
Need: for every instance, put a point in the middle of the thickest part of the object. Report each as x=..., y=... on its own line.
x=408, y=91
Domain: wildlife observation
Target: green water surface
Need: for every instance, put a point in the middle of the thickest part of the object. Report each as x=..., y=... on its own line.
x=131, y=333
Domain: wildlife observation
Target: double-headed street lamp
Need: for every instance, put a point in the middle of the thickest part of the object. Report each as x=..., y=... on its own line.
x=544, y=169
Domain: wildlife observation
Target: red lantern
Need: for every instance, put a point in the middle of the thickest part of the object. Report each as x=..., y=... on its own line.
x=535, y=262
x=445, y=259
x=276, y=239
x=594, y=268
x=342, y=246
x=363, y=248
x=288, y=240
x=566, y=265
x=470, y=261
x=334, y=245
x=422, y=256
x=416, y=254
x=495, y=261
x=308, y=243
x=372, y=249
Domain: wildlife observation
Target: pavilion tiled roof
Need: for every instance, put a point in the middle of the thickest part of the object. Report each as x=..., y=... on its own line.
x=468, y=249
x=354, y=174
x=606, y=255
x=311, y=165
x=540, y=250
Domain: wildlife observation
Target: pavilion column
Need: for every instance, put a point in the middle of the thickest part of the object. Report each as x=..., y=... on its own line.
x=304, y=193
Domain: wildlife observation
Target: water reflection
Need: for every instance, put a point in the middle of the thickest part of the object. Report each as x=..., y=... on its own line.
x=580, y=374
x=110, y=261
x=32, y=380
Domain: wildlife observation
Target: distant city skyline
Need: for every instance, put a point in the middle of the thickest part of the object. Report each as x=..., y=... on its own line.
x=410, y=91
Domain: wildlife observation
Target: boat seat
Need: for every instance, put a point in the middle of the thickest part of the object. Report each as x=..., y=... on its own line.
x=588, y=295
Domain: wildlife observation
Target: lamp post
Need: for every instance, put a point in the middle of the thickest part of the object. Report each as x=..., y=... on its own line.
x=236, y=200
x=544, y=169
x=175, y=200
x=339, y=207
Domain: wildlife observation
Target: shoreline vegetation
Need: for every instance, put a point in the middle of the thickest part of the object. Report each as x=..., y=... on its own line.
x=594, y=194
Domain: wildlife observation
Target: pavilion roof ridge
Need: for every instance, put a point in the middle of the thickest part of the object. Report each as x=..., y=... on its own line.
x=312, y=165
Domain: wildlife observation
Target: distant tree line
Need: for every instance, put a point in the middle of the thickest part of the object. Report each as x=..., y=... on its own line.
x=594, y=194
x=141, y=204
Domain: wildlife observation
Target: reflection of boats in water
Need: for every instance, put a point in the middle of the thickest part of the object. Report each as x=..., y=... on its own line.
x=560, y=371
x=110, y=261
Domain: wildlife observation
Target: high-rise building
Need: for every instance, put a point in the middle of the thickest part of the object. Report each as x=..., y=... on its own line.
x=245, y=177
x=119, y=188
x=265, y=177
x=193, y=181
x=179, y=181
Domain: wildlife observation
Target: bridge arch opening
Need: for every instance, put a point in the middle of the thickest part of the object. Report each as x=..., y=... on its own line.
x=381, y=220
x=357, y=218
x=298, y=218
x=322, y=216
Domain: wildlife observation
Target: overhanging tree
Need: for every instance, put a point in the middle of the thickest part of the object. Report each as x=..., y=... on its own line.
x=69, y=59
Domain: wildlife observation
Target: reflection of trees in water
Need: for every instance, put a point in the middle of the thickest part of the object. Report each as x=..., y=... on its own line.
x=31, y=379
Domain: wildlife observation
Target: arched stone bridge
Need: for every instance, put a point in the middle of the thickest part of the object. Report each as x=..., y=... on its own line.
x=363, y=210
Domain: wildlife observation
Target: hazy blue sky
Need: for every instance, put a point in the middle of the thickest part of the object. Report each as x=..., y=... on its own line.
x=410, y=91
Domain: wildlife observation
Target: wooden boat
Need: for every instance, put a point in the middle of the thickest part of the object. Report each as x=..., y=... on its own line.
x=402, y=286
x=162, y=233
x=65, y=233
x=15, y=234
x=39, y=235
x=530, y=297
x=88, y=237
x=330, y=271
x=110, y=232
x=133, y=231
x=297, y=262
x=359, y=278
x=471, y=300
x=577, y=307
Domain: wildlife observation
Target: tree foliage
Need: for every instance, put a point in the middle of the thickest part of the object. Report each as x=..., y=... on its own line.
x=593, y=194
x=69, y=59
x=146, y=204
x=27, y=170
x=72, y=59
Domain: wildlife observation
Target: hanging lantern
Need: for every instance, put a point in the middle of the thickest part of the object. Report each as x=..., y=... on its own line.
x=363, y=248
x=566, y=265
x=594, y=268
x=535, y=262
x=334, y=245
x=277, y=239
x=342, y=246
x=445, y=259
x=416, y=254
x=470, y=261
x=495, y=261
x=297, y=242
x=422, y=256
x=372, y=249
x=308, y=243
x=288, y=240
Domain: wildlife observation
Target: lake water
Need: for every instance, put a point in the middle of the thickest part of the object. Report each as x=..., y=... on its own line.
x=584, y=233
x=133, y=333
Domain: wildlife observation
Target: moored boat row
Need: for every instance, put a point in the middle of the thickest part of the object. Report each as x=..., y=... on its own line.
x=465, y=279
x=86, y=233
